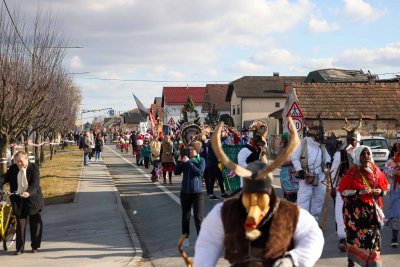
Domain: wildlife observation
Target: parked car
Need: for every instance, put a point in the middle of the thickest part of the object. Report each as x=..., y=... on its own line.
x=380, y=149
x=379, y=146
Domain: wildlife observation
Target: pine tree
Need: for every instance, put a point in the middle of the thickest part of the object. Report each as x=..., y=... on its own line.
x=212, y=118
x=189, y=107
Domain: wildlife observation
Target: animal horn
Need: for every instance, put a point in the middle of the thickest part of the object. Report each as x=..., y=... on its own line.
x=294, y=141
x=222, y=157
x=185, y=257
x=359, y=123
x=346, y=125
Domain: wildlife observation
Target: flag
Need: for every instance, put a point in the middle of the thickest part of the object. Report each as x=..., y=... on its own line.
x=140, y=105
x=152, y=120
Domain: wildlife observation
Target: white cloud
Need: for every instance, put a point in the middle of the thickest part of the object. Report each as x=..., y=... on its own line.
x=321, y=25
x=361, y=10
x=75, y=62
x=212, y=72
x=244, y=66
x=387, y=57
x=320, y=63
x=175, y=74
x=274, y=56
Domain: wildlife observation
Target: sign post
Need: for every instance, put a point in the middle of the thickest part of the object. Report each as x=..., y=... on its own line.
x=297, y=116
x=171, y=122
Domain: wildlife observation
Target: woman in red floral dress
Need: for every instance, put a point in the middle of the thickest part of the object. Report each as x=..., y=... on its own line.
x=361, y=186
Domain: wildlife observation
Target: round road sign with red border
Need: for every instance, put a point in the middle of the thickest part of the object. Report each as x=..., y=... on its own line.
x=298, y=123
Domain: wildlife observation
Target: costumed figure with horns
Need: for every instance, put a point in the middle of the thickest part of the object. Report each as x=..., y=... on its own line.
x=310, y=161
x=255, y=227
x=256, y=149
x=342, y=160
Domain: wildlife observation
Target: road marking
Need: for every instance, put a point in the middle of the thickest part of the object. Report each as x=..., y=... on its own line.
x=148, y=176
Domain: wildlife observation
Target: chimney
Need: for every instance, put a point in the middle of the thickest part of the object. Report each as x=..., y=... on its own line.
x=371, y=78
x=276, y=74
x=286, y=87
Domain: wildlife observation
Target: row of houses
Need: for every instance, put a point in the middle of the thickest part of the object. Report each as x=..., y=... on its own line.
x=329, y=94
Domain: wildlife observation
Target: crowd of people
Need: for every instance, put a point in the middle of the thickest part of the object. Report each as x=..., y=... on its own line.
x=356, y=184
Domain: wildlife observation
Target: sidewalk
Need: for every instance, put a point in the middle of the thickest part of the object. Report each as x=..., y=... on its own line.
x=93, y=231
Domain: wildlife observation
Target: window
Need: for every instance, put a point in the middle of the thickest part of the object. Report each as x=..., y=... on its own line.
x=233, y=109
x=238, y=109
x=277, y=104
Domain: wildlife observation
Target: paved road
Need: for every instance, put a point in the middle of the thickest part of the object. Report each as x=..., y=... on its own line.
x=155, y=213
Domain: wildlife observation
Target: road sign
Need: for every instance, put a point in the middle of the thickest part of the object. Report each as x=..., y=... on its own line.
x=298, y=123
x=171, y=122
x=295, y=111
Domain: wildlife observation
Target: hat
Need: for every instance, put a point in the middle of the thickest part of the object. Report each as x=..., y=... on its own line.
x=285, y=135
x=196, y=145
x=258, y=132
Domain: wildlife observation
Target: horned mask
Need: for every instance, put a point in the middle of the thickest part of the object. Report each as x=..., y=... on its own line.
x=352, y=132
x=257, y=177
x=258, y=132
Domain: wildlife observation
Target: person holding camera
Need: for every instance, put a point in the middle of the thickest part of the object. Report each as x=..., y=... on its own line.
x=192, y=166
x=310, y=161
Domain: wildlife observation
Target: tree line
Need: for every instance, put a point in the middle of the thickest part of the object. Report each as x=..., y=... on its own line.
x=37, y=95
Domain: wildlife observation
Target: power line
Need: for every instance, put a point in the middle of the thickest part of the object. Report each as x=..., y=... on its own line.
x=388, y=73
x=15, y=27
x=149, y=81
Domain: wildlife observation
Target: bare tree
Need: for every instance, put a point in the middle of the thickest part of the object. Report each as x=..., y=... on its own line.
x=30, y=78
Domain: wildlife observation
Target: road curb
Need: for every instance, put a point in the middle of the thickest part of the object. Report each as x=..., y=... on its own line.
x=138, y=257
x=138, y=252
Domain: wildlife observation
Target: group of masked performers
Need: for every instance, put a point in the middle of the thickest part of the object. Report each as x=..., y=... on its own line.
x=255, y=227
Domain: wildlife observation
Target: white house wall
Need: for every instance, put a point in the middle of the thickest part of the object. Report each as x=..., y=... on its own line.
x=253, y=108
x=174, y=111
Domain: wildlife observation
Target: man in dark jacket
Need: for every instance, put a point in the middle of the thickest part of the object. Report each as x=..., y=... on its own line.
x=24, y=179
x=192, y=186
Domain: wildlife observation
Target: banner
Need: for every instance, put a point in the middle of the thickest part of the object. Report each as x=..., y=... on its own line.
x=140, y=105
x=152, y=120
x=231, y=180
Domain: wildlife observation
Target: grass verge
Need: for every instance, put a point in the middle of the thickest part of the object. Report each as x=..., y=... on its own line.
x=59, y=176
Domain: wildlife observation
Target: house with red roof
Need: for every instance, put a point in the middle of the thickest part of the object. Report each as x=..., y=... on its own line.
x=173, y=99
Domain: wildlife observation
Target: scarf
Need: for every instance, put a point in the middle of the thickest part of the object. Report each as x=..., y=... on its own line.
x=196, y=159
x=22, y=181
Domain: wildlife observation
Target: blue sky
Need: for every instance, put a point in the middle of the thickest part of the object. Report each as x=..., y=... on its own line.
x=216, y=40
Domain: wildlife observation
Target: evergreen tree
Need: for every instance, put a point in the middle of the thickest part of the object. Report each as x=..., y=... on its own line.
x=189, y=107
x=212, y=118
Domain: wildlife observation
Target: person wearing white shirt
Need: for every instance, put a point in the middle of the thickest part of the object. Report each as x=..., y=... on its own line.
x=310, y=159
x=341, y=162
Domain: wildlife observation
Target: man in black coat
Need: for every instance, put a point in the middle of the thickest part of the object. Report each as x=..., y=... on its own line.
x=24, y=179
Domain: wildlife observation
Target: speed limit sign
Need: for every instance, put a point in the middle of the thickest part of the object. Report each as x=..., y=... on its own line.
x=298, y=123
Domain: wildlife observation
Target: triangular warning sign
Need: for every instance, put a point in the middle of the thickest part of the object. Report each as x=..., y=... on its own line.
x=295, y=111
x=171, y=121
